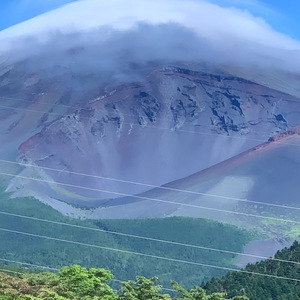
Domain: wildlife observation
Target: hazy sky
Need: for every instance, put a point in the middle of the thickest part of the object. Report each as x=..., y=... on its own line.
x=283, y=16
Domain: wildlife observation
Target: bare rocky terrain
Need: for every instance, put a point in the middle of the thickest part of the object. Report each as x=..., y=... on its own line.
x=174, y=123
x=176, y=139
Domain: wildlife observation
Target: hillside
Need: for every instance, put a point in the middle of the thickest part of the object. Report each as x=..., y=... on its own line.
x=273, y=279
x=281, y=283
x=150, y=138
x=78, y=283
x=106, y=142
x=149, y=247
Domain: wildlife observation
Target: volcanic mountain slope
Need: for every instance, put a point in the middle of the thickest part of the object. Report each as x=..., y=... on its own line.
x=256, y=189
x=243, y=190
x=33, y=94
x=262, y=181
x=174, y=123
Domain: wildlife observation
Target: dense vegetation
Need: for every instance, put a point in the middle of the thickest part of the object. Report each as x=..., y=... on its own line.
x=77, y=245
x=76, y=282
x=263, y=287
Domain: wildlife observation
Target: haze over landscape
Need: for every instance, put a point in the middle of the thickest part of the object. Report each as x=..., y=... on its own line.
x=131, y=110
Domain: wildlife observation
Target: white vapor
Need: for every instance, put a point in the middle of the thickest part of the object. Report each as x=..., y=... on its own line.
x=207, y=19
x=128, y=35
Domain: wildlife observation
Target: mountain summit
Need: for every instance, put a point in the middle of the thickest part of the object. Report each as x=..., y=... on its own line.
x=153, y=109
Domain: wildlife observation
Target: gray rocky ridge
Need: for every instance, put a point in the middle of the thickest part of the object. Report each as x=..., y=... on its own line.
x=174, y=123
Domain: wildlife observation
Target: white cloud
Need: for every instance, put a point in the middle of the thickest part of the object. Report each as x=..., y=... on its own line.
x=251, y=5
x=207, y=19
x=124, y=33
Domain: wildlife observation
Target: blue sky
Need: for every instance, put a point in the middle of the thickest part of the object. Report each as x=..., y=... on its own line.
x=15, y=11
x=283, y=16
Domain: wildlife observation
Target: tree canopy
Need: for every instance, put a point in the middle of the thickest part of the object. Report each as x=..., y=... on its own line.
x=78, y=283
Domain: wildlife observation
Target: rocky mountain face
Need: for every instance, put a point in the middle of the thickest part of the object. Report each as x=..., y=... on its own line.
x=91, y=146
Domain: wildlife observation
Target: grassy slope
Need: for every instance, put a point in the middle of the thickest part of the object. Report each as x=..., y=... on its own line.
x=52, y=253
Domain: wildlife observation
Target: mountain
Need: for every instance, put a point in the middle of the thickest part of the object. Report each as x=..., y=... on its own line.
x=154, y=131
x=134, y=114
x=76, y=144
x=283, y=285
x=256, y=189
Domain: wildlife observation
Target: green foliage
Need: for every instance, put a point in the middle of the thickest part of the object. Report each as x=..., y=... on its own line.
x=56, y=254
x=78, y=283
x=145, y=289
x=86, y=284
x=263, y=287
x=142, y=289
x=42, y=278
x=195, y=293
x=199, y=293
x=73, y=282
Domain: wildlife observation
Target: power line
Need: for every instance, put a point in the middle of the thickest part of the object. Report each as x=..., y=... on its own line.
x=151, y=185
x=27, y=264
x=110, y=249
x=57, y=104
x=163, y=128
x=215, y=134
x=136, y=124
x=31, y=110
x=153, y=199
x=54, y=269
x=148, y=255
x=91, y=102
x=32, y=102
x=102, y=110
x=146, y=238
x=208, y=195
x=9, y=271
x=36, y=266
x=211, y=195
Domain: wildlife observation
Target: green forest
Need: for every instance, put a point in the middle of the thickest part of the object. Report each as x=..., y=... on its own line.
x=283, y=284
x=167, y=257
x=61, y=241
x=269, y=279
x=76, y=282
